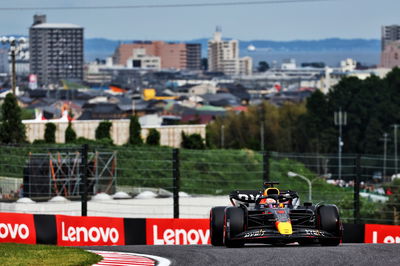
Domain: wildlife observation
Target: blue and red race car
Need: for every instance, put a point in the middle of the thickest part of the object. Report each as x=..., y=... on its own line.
x=273, y=217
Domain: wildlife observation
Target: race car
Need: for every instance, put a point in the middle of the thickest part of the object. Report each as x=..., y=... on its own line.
x=273, y=217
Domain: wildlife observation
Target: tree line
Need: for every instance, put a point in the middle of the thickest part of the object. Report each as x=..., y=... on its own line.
x=371, y=105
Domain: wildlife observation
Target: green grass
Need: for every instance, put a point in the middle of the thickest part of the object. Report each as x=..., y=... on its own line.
x=21, y=254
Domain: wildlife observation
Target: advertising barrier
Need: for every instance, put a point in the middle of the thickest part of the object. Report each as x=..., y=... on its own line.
x=88, y=231
x=377, y=233
x=177, y=231
x=17, y=228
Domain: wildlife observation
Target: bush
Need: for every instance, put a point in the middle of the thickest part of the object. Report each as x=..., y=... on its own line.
x=193, y=141
x=101, y=142
x=39, y=142
x=11, y=128
x=135, y=137
x=50, y=133
x=154, y=137
x=103, y=130
x=70, y=135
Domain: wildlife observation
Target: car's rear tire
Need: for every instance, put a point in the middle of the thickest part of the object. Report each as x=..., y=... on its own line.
x=329, y=221
x=217, y=215
x=234, y=225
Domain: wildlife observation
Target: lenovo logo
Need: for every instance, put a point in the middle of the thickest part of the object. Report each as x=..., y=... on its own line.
x=387, y=239
x=87, y=231
x=14, y=231
x=180, y=236
x=387, y=234
x=17, y=228
x=93, y=234
x=177, y=231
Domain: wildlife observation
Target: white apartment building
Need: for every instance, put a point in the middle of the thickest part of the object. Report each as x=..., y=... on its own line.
x=223, y=56
x=140, y=59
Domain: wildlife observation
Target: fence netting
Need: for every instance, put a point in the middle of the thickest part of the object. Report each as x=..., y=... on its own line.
x=140, y=181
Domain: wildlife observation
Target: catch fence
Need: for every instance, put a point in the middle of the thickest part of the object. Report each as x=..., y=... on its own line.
x=146, y=181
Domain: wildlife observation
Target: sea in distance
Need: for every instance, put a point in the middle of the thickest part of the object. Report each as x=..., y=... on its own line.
x=329, y=57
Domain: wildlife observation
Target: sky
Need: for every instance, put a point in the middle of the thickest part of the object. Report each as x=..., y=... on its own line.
x=279, y=20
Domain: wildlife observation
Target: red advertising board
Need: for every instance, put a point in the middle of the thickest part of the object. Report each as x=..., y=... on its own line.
x=17, y=228
x=177, y=231
x=376, y=233
x=89, y=231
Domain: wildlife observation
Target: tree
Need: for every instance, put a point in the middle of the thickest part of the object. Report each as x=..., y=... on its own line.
x=154, y=137
x=135, y=137
x=11, y=128
x=103, y=130
x=262, y=66
x=50, y=133
x=70, y=135
x=192, y=141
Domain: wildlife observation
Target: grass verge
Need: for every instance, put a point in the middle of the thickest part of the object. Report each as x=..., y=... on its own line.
x=21, y=254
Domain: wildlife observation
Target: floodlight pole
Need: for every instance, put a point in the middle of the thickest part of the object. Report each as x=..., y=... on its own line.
x=292, y=174
x=14, y=48
x=340, y=120
x=222, y=136
x=385, y=139
x=395, y=126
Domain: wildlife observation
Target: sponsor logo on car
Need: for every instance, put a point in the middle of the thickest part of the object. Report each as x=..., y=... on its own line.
x=177, y=231
x=17, y=228
x=247, y=197
x=79, y=231
x=257, y=233
x=313, y=232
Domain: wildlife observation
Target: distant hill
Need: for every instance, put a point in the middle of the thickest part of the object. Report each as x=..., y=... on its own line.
x=101, y=48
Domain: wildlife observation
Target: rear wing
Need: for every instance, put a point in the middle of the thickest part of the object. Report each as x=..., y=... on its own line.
x=245, y=196
x=251, y=196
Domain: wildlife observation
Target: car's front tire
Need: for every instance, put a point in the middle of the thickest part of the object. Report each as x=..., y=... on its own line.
x=234, y=225
x=329, y=221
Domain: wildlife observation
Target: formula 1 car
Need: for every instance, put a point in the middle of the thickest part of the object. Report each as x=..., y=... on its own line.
x=273, y=217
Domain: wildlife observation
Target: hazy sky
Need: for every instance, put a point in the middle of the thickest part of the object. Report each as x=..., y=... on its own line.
x=273, y=21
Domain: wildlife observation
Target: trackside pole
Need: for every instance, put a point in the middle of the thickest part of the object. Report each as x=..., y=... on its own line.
x=357, y=191
x=84, y=175
x=176, y=181
x=265, y=166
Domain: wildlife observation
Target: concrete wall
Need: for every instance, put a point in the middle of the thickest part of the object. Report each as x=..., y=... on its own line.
x=169, y=135
x=190, y=207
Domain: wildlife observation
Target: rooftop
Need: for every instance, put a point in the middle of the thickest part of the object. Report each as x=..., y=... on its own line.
x=56, y=25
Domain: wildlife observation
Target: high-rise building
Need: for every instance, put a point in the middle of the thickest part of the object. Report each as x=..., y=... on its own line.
x=4, y=61
x=56, y=51
x=223, y=56
x=390, y=57
x=172, y=55
x=389, y=34
x=193, y=56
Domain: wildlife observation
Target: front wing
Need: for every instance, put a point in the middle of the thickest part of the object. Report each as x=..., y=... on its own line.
x=268, y=235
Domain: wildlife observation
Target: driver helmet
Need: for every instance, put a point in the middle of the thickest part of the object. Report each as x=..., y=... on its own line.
x=270, y=191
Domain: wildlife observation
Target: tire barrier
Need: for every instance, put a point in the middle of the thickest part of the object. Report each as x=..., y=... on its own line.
x=67, y=230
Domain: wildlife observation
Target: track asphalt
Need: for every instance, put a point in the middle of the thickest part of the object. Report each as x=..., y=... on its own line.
x=345, y=254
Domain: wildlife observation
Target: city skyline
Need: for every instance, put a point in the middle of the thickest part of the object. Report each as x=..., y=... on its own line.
x=282, y=20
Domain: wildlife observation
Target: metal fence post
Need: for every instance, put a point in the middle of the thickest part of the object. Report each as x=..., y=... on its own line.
x=357, y=190
x=176, y=180
x=265, y=166
x=84, y=173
